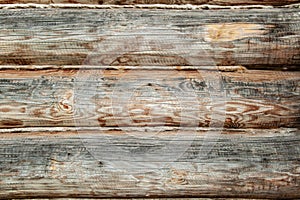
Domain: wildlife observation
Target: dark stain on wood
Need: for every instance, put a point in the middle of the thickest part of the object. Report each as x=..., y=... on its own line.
x=11, y=123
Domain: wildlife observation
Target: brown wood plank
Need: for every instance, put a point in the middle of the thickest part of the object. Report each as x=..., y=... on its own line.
x=260, y=38
x=184, y=198
x=150, y=97
x=236, y=163
x=132, y=2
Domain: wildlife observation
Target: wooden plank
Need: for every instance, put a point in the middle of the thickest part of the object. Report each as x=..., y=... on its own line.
x=147, y=198
x=184, y=198
x=264, y=38
x=236, y=163
x=131, y=2
x=150, y=97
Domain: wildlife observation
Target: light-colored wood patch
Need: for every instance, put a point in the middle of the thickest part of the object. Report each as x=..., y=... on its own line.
x=232, y=31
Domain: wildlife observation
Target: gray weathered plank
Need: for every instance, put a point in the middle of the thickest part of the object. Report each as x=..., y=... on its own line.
x=236, y=163
x=153, y=97
x=263, y=38
x=132, y=2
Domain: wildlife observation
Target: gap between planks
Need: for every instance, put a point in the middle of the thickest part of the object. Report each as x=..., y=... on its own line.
x=92, y=67
x=157, y=129
x=139, y=6
x=156, y=4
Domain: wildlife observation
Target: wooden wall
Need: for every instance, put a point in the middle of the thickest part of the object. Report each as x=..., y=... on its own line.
x=128, y=102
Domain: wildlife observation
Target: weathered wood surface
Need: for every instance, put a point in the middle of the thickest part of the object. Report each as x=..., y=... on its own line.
x=67, y=130
x=144, y=198
x=237, y=163
x=264, y=38
x=132, y=2
x=186, y=198
x=95, y=97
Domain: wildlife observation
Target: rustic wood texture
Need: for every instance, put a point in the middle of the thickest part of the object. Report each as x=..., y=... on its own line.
x=132, y=2
x=102, y=103
x=239, y=163
x=94, y=97
x=145, y=198
x=264, y=38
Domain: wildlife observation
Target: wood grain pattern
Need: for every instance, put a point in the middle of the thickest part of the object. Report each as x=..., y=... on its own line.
x=240, y=163
x=145, y=198
x=185, y=198
x=128, y=103
x=265, y=38
x=95, y=97
x=132, y=2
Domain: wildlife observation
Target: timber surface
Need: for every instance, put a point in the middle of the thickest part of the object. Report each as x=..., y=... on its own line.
x=172, y=2
x=263, y=38
x=238, y=163
x=149, y=103
x=95, y=97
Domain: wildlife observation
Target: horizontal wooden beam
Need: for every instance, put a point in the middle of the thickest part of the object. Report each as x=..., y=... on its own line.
x=126, y=96
x=131, y=2
x=264, y=38
x=120, y=163
x=184, y=198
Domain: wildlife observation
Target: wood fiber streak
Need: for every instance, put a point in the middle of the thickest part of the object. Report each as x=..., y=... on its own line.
x=253, y=99
x=264, y=38
x=244, y=164
x=132, y=2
